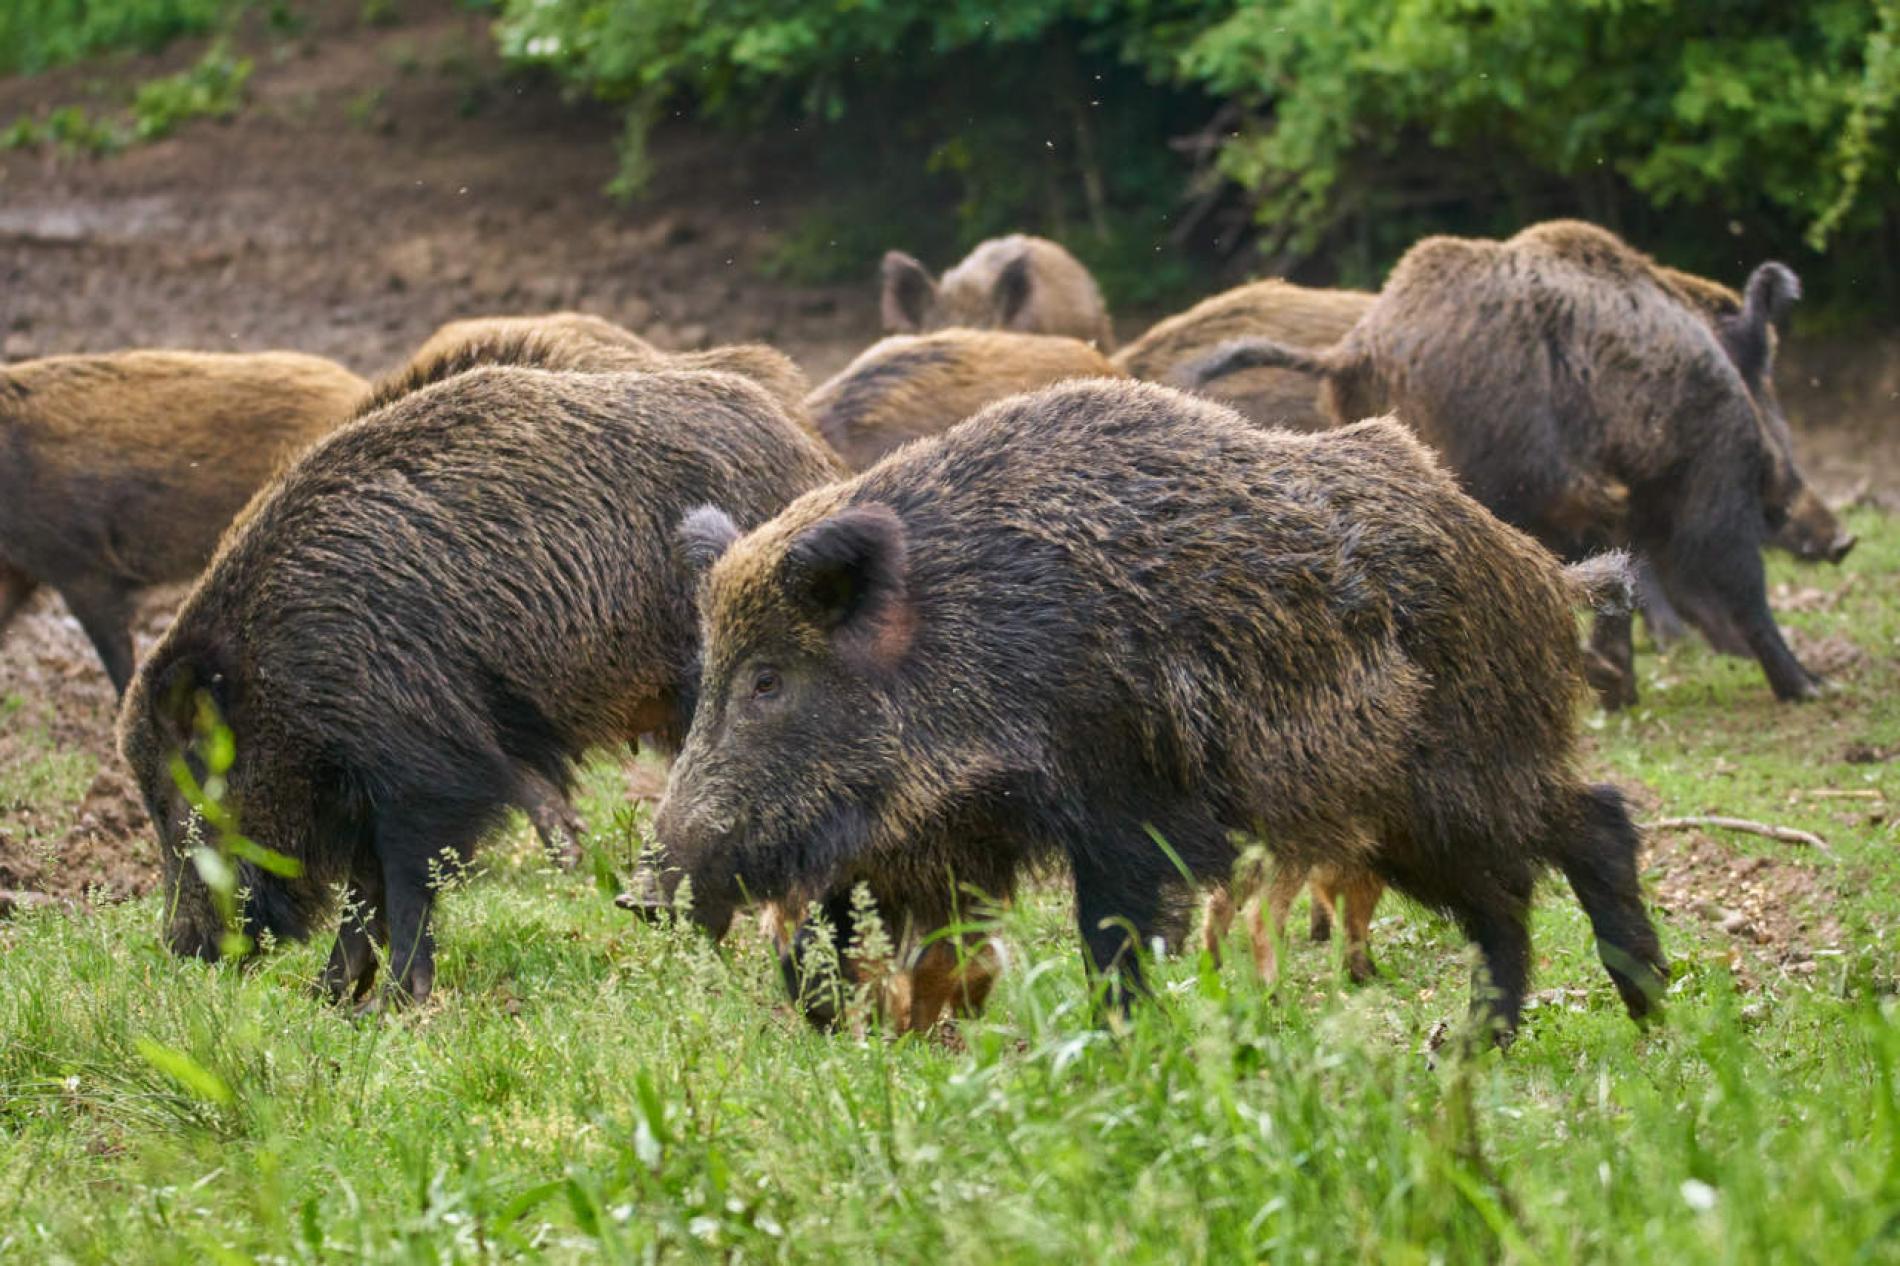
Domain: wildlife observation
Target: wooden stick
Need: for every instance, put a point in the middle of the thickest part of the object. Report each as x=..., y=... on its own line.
x=1786, y=834
x=1845, y=793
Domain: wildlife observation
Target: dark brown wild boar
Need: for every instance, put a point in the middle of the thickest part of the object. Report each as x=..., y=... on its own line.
x=1581, y=396
x=1745, y=324
x=427, y=619
x=909, y=386
x=1023, y=283
x=1272, y=309
x=122, y=470
x=1107, y=612
x=584, y=343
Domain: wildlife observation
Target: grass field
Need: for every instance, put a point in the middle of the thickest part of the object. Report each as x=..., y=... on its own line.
x=587, y=1087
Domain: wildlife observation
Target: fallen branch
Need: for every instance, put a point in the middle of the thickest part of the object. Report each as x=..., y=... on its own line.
x=1786, y=834
x=1845, y=793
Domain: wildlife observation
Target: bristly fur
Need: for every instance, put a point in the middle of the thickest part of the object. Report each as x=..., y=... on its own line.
x=122, y=470
x=907, y=387
x=583, y=343
x=1129, y=615
x=1538, y=366
x=432, y=614
x=1277, y=310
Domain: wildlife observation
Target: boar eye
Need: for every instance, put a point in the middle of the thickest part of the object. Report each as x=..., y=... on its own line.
x=765, y=683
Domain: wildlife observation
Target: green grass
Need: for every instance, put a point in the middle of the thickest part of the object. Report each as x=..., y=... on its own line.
x=40, y=781
x=591, y=1088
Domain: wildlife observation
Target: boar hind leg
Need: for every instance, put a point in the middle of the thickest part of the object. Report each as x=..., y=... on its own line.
x=1600, y=863
x=104, y=610
x=15, y=588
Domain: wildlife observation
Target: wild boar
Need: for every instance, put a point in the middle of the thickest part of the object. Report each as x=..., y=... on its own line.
x=1023, y=283
x=584, y=343
x=1581, y=397
x=1108, y=615
x=909, y=386
x=1278, y=310
x=123, y=469
x=427, y=619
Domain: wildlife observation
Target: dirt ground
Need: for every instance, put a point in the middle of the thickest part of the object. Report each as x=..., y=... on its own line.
x=383, y=180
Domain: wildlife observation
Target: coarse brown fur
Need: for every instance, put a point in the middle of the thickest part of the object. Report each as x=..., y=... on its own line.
x=584, y=343
x=909, y=386
x=1107, y=614
x=1584, y=395
x=1746, y=327
x=120, y=471
x=1023, y=283
x=428, y=618
x=1278, y=310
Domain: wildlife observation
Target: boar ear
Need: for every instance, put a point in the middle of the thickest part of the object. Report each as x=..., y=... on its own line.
x=908, y=292
x=1011, y=291
x=1771, y=291
x=850, y=570
x=703, y=536
x=180, y=687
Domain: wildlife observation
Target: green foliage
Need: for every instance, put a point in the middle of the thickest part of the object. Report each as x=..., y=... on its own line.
x=1734, y=111
x=1353, y=126
x=212, y=87
x=39, y=34
x=593, y=1088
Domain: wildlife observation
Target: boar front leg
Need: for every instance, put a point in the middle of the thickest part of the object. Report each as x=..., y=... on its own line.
x=554, y=820
x=15, y=588
x=104, y=611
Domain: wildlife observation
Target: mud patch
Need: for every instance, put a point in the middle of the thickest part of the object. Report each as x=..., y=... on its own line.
x=1779, y=909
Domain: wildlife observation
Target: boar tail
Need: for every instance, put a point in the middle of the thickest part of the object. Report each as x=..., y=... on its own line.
x=1605, y=583
x=1772, y=289
x=1252, y=353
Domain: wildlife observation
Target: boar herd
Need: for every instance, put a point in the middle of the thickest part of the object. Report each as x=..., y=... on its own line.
x=1285, y=590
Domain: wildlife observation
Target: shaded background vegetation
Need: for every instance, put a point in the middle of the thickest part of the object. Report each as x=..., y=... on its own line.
x=1312, y=137
x=1172, y=142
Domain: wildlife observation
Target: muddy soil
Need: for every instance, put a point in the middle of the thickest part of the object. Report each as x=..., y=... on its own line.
x=381, y=181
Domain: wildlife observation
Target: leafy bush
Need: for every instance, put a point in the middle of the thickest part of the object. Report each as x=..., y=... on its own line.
x=1351, y=126
x=212, y=87
x=38, y=34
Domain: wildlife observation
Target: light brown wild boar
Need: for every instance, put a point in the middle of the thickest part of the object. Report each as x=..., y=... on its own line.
x=428, y=618
x=122, y=470
x=1296, y=315
x=1023, y=283
x=583, y=343
x=906, y=387
x=1580, y=395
